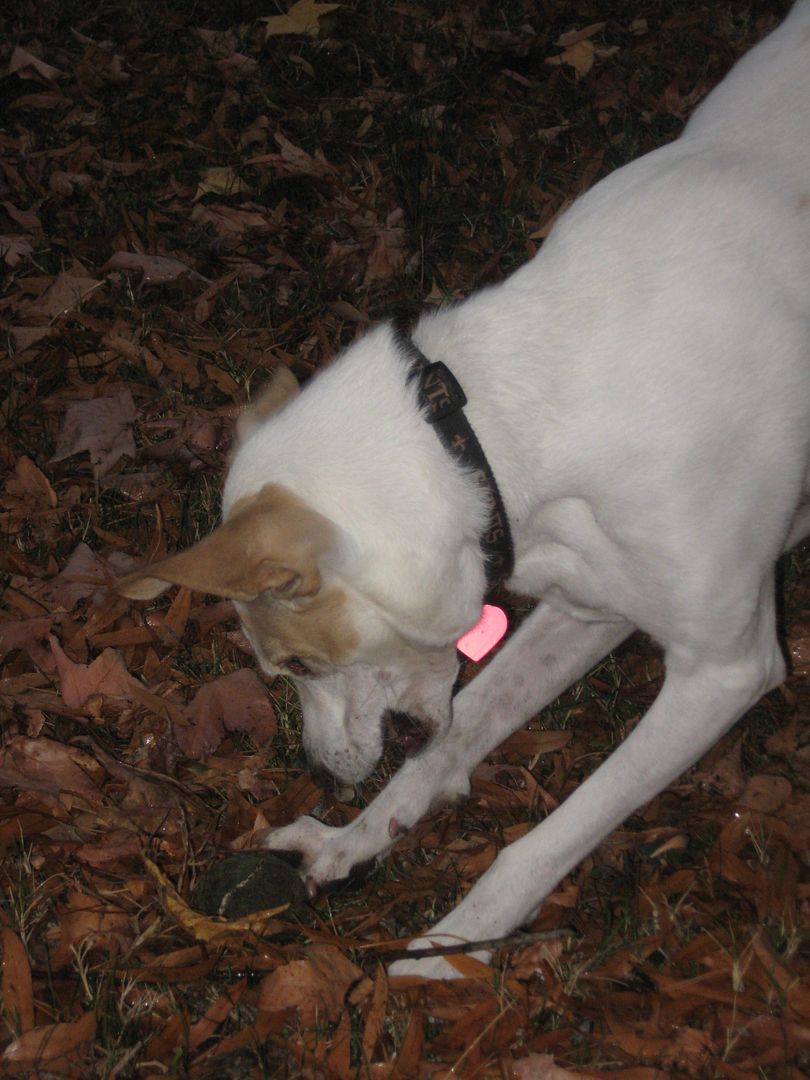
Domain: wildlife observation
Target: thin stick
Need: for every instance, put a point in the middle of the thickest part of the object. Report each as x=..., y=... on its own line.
x=511, y=941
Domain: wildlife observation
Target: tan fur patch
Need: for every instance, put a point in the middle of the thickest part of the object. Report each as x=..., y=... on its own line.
x=283, y=387
x=804, y=201
x=320, y=630
x=271, y=541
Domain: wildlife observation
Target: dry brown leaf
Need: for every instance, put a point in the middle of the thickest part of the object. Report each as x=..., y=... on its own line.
x=542, y=1067
x=299, y=162
x=47, y=1045
x=302, y=18
x=31, y=486
x=48, y=766
x=230, y=220
x=219, y=180
x=469, y=967
x=375, y=1016
x=317, y=985
x=102, y=426
x=90, y=921
x=86, y=574
x=31, y=636
x=65, y=294
x=26, y=336
x=106, y=675
x=580, y=56
x=24, y=61
x=154, y=269
x=181, y=363
x=237, y=66
x=767, y=794
x=18, y=996
x=235, y=702
x=25, y=218
x=571, y=37
x=388, y=253
x=13, y=249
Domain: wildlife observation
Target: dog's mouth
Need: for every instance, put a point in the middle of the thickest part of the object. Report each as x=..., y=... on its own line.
x=406, y=734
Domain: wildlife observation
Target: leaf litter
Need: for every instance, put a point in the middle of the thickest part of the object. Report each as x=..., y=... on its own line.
x=188, y=198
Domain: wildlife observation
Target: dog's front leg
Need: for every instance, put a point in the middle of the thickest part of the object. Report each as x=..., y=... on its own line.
x=698, y=703
x=550, y=651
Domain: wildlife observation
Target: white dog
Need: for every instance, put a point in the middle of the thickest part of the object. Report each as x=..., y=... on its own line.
x=641, y=391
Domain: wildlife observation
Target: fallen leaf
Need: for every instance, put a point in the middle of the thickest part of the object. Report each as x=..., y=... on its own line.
x=302, y=18
x=13, y=249
x=18, y=997
x=46, y=1045
x=766, y=794
x=580, y=56
x=31, y=636
x=31, y=486
x=48, y=766
x=86, y=574
x=219, y=180
x=26, y=336
x=102, y=426
x=542, y=1067
x=89, y=921
x=65, y=294
x=27, y=219
x=154, y=269
x=24, y=61
x=388, y=253
x=316, y=986
x=106, y=675
x=235, y=702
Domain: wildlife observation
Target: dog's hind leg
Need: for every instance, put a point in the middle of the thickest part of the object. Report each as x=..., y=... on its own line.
x=707, y=688
x=549, y=652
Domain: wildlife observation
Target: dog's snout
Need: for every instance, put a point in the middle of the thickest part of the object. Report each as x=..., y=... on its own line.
x=410, y=733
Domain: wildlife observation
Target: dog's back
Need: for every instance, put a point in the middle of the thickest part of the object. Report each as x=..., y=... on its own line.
x=763, y=100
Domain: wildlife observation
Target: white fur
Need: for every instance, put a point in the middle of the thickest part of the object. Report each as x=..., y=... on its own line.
x=642, y=392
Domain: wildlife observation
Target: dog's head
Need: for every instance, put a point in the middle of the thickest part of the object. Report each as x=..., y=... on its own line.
x=292, y=574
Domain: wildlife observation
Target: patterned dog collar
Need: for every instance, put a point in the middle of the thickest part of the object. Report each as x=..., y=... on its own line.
x=443, y=401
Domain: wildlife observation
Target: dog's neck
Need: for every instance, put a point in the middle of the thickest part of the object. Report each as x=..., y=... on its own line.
x=443, y=399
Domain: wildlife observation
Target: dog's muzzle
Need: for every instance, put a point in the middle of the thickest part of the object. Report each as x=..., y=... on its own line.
x=406, y=733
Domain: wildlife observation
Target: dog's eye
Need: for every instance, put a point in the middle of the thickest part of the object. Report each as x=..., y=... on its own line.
x=295, y=666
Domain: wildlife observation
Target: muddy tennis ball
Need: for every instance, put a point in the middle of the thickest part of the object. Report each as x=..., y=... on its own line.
x=251, y=881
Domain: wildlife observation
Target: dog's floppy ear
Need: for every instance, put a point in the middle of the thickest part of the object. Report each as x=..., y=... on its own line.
x=283, y=387
x=274, y=543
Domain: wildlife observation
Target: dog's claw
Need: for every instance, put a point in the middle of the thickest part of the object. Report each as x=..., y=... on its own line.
x=312, y=888
x=394, y=828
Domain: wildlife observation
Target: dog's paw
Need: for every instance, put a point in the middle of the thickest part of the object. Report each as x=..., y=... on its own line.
x=328, y=854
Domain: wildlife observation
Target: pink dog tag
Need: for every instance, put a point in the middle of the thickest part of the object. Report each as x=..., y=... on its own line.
x=485, y=635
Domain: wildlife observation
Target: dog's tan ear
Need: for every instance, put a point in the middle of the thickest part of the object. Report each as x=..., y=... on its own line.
x=274, y=543
x=283, y=387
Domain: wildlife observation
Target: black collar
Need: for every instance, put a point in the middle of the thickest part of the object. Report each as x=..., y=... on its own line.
x=443, y=401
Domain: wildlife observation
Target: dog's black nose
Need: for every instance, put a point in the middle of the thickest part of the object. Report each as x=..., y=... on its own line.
x=408, y=732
